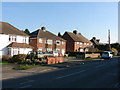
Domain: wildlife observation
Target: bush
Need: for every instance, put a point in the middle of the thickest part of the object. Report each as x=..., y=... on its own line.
x=115, y=51
x=20, y=58
x=6, y=58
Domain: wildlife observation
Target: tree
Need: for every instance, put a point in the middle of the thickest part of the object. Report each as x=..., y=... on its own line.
x=59, y=35
x=27, y=31
x=115, y=51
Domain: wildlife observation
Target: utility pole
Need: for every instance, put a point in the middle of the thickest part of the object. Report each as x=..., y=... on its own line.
x=109, y=40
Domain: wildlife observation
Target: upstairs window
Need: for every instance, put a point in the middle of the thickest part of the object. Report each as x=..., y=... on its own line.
x=49, y=41
x=24, y=39
x=12, y=38
x=63, y=42
x=58, y=42
x=78, y=42
x=40, y=40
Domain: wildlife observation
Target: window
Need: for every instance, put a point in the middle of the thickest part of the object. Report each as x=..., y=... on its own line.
x=24, y=40
x=58, y=42
x=49, y=49
x=78, y=42
x=81, y=50
x=49, y=41
x=40, y=40
x=12, y=38
x=40, y=49
x=87, y=43
x=63, y=42
x=57, y=49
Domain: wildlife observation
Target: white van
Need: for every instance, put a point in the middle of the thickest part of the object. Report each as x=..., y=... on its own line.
x=107, y=54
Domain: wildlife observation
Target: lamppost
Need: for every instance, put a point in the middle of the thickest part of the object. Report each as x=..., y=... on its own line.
x=109, y=40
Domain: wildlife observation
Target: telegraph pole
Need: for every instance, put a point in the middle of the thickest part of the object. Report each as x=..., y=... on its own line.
x=109, y=40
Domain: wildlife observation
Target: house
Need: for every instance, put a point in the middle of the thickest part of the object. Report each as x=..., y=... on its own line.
x=13, y=41
x=97, y=44
x=76, y=42
x=45, y=41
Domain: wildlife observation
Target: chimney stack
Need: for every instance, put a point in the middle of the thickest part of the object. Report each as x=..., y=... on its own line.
x=43, y=28
x=94, y=38
x=75, y=32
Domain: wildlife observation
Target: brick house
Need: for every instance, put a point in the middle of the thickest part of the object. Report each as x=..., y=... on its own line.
x=45, y=41
x=13, y=41
x=76, y=42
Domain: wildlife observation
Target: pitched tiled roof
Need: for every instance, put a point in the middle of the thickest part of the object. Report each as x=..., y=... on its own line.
x=45, y=34
x=6, y=28
x=19, y=45
x=78, y=37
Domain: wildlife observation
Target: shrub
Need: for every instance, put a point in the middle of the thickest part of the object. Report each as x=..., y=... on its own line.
x=6, y=57
x=20, y=58
x=115, y=51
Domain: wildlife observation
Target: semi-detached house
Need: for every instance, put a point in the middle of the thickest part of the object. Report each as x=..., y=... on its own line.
x=76, y=42
x=13, y=41
x=45, y=41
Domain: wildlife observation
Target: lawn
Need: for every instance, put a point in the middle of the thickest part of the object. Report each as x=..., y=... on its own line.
x=5, y=63
x=24, y=67
x=70, y=57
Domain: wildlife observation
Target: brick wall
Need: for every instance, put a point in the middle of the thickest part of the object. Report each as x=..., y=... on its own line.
x=69, y=42
x=33, y=42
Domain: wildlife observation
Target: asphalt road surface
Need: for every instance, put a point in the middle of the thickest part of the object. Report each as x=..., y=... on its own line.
x=92, y=74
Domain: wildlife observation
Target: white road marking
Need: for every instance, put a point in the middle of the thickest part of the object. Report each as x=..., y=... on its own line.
x=99, y=66
x=27, y=82
x=70, y=74
x=25, y=86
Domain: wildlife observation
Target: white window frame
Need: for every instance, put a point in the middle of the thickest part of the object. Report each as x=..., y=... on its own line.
x=57, y=42
x=49, y=49
x=12, y=38
x=49, y=41
x=40, y=40
x=63, y=42
x=78, y=43
x=40, y=49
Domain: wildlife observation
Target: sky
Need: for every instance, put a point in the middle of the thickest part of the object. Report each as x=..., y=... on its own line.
x=91, y=19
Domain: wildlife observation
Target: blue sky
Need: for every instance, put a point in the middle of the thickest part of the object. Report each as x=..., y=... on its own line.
x=89, y=18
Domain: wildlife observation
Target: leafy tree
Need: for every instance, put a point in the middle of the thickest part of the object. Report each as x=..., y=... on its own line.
x=116, y=45
x=27, y=31
x=115, y=51
x=59, y=35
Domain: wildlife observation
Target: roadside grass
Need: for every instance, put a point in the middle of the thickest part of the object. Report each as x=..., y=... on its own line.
x=70, y=57
x=24, y=67
x=5, y=63
x=90, y=58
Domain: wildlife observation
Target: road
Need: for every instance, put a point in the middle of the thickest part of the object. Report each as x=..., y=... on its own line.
x=92, y=74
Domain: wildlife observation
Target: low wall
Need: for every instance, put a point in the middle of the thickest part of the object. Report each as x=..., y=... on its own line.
x=93, y=55
x=86, y=55
x=53, y=60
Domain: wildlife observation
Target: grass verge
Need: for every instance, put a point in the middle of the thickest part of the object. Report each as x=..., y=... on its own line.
x=24, y=67
x=90, y=58
x=70, y=57
x=5, y=63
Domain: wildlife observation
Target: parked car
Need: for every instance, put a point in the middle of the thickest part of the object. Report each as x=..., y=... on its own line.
x=46, y=54
x=55, y=53
x=35, y=55
x=107, y=54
